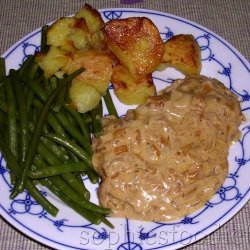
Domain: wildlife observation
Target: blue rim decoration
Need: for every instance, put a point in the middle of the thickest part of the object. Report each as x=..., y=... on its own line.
x=227, y=193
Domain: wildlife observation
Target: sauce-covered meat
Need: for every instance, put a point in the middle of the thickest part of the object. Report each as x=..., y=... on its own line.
x=166, y=158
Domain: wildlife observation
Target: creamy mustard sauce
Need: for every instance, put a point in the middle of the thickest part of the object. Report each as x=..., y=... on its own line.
x=166, y=158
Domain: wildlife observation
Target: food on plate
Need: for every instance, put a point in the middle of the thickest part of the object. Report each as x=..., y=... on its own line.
x=68, y=34
x=83, y=96
x=40, y=122
x=86, y=92
x=183, y=53
x=167, y=157
x=161, y=161
x=53, y=62
x=137, y=46
x=129, y=49
x=82, y=31
x=40, y=129
x=97, y=68
x=95, y=23
x=131, y=89
x=75, y=42
x=136, y=43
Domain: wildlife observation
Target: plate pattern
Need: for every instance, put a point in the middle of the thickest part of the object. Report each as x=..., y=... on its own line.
x=136, y=235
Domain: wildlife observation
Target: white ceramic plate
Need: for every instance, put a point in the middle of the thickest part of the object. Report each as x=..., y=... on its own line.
x=70, y=231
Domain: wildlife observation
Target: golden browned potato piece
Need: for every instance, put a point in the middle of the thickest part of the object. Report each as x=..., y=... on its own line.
x=92, y=17
x=94, y=22
x=69, y=34
x=183, y=53
x=52, y=62
x=97, y=68
x=131, y=89
x=136, y=43
x=83, y=96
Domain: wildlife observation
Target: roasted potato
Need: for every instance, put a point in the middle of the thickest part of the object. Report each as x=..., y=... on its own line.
x=81, y=32
x=69, y=34
x=95, y=23
x=183, y=53
x=76, y=42
x=131, y=89
x=52, y=62
x=136, y=43
x=97, y=68
x=83, y=96
x=123, y=51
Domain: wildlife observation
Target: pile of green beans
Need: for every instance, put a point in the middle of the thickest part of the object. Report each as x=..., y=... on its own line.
x=44, y=140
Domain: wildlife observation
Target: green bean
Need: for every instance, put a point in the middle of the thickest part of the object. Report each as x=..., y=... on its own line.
x=44, y=46
x=39, y=160
x=3, y=119
x=96, y=115
x=25, y=67
x=57, y=150
x=34, y=116
x=19, y=186
x=61, y=96
x=73, y=157
x=77, y=185
x=47, y=87
x=86, y=118
x=31, y=188
x=73, y=132
x=70, y=192
x=93, y=176
x=49, y=157
x=82, y=202
x=53, y=82
x=38, y=90
x=77, y=150
x=42, y=95
x=71, y=120
x=109, y=103
x=40, y=165
x=78, y=175
x=71, y=180
x=79, y=121
x=58, y=170
x=51, y=119
x=23, y=117
x=62, y=119
x=60, y=100
x=92, y=217
x=2, y=91
x=12, y=117
x=3, y=105
x=105, y=221
x=72, y=146
x=29, y=97
x=33, y=71
x=2, y=69
x=46, y=128
x=64, y=178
